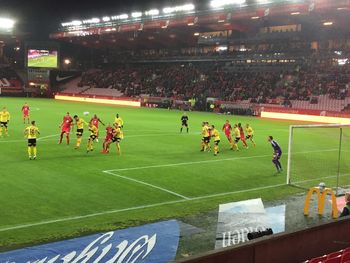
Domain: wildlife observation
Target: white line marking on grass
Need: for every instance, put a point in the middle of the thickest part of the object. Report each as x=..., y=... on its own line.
x=66, y=219
x=208, y=161
x=46, y=137
x=317, y=179
x=24, y=139
x=147, y=184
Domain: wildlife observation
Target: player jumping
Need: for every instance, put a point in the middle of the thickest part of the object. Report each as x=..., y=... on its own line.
x=250, y=134
x=65, y=126
x=79, y=122
x=95, y=122
x=25, y=111
x=31, y=133
x=184, y=122
x=215, y=134
x=277, y=153
x=4, y=121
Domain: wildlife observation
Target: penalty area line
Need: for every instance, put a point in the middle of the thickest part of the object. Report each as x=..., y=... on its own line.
x=73, y=218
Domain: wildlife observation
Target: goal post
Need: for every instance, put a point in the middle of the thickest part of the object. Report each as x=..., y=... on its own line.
x=319, y=153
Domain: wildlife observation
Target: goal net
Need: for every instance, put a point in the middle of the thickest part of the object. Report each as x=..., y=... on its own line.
x=319, y=153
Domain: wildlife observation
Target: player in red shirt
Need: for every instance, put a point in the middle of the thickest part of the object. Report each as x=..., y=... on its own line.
x=108, y=138
x=95, y=121
x=66, y=126
x=245, y=145
x=227, y=128
x=25, y=110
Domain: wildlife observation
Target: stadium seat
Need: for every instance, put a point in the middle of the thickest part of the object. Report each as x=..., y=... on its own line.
x=346, y=256
x=337, y=259
x=335, y=254
x=346, y=250
x=318, y=259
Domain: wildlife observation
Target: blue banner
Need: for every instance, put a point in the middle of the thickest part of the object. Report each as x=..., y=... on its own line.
x=153, y=243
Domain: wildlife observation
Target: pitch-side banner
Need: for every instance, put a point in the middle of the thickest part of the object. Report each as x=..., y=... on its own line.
x=154, y=243
x=237, y=220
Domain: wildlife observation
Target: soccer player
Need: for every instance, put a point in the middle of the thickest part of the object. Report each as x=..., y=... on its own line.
x=25, y=110
x=31, y=133
x=215, y=134
x=95, y=122
x=118, y=121
x=237, y=137
x=79, y=122
x=93, y=135
x=117, y=138
x=250, y=134
x=4, y=121
x=277, y=153
x=227, y=128
x=184, y=122
x=65, y=126
x=108, y=138
x=245, y=145
x=205, y=137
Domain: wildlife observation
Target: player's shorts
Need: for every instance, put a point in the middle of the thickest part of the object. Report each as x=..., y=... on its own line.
x=237, y=139
x=65, y=130
x=228, y=136
x=206, y=139
x=242, y=138
x=277, y=155
x=93, y=137
x=3, y=124
x=116, y=139
x=80, y=132
x=25, y=115
x=31, y=142
x=217, y=142
x=249, y=137
x=185, y=124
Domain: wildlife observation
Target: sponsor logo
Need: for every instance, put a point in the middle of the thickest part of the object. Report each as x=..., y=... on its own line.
x=59, y=79
x=4, y=83
x=154, y=243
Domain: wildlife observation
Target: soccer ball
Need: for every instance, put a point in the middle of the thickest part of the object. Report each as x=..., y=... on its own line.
x=322, y=186
x=86, y=113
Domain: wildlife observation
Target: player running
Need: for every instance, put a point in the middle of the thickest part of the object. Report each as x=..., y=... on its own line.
x=93, y=136
x=250, y=134
x=215, y=134
x=31, y=133
x=184, y=122
x=205, y=137
x=25, y=111
x=277, y=153
x=118, y=121
x=245, y=145
x=108, y=139
x=95, y=122
x=237, y=137
x=79, y=122
x=4, y=121
x=65, y=126
x=227, y=129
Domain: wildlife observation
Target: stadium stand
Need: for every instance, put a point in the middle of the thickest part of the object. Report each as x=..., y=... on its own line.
x=10, y=82
x=341, y=256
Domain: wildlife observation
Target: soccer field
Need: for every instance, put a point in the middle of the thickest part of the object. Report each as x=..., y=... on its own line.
x=161, y=173
x=49, y=61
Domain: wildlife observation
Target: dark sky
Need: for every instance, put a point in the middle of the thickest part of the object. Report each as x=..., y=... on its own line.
x=40, y=17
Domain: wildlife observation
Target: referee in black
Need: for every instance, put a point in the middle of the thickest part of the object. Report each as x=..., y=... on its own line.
x=184, y=122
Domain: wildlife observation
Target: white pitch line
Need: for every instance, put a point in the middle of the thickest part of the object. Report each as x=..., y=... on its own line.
x=147, y=184
x=207, y=161
x=24, y=139
x=326, y=177
x=46, y=137
x=60, y=220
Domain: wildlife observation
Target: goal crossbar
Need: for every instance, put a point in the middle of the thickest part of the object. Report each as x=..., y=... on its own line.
x=309, y=126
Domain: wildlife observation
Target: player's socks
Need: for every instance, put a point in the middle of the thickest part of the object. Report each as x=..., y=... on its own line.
x=67, y=139
x=187, y=130
x=34, y=152
x=30, y=152
x=181, y=130
x=61, y=138
x=78, y=142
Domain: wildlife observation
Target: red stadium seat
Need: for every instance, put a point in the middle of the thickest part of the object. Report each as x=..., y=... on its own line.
x=318, y=259
x=337, y=259
x=335, y=254
x=346, y=256
x=346, y=250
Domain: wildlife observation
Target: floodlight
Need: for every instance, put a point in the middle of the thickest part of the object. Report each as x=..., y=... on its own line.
x=152, y=12
x=123, y=16
x=181, y=8
x=221, y=3
x=106, y=19
x=136, y=14
x=6, y=23
x=72, y=23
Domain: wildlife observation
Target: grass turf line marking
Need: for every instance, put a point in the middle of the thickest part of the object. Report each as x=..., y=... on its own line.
x=208, y=161
x=60, y=220
x=147, y=184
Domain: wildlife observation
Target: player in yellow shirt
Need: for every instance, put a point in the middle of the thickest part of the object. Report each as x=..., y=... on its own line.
x=215, y=134
x=93, y=136
x=79, y=122
x=237, y=133
x=250, y=134
x=117, y=138
x=118, y=122
x=205, y=137
x=4, y=121
x=32, y=132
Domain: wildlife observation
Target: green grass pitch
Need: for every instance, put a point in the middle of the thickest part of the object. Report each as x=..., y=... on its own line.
x=161, y=173
x=49, y=61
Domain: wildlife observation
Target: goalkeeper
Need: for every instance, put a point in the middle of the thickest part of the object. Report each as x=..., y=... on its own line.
x=277, y=153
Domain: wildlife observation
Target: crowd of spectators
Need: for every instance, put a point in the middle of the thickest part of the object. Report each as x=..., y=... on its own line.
x=183, y=81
